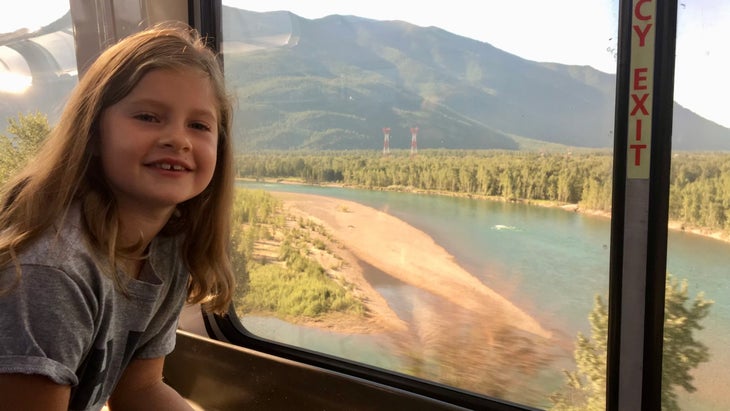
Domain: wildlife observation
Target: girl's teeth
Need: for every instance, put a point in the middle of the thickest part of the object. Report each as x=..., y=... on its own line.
x=166, y=166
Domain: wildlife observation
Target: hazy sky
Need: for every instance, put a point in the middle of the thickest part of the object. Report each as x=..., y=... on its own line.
x=533, y=29
x=581, y=32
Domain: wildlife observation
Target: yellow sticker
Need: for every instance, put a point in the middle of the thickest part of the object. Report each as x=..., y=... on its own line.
x=641, y=88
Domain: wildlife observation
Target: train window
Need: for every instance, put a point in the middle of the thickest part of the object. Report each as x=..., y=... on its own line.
x=697, y=315
x=449, y=217
x=37, y=62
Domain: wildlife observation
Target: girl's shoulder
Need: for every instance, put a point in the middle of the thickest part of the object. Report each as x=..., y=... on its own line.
x=67, y=231
x=62, y=244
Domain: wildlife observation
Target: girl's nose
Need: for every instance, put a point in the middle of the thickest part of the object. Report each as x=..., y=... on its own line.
x=176, y=139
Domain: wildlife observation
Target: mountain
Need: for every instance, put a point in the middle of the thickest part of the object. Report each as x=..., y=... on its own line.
x=336, y=82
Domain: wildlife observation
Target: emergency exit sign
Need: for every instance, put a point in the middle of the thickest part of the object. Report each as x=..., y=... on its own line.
x=641, y=88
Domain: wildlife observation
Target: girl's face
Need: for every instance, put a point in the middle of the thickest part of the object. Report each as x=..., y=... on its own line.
x=158, y=144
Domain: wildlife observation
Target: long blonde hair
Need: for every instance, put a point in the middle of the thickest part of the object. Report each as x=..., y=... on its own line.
x=66, y=169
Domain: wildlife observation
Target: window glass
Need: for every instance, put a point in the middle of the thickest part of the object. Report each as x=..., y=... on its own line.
x=697, y=315
x=37, y=72
x=426, y=187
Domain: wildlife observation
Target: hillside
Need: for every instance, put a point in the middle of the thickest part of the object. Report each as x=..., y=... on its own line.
x=333, y=83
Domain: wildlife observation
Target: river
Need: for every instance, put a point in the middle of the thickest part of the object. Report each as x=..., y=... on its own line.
x=548, y=261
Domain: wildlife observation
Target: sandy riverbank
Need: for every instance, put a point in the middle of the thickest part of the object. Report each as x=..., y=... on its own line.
x=410, y=255
x=443, y=317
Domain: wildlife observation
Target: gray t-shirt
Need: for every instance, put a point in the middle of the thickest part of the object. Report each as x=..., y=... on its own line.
x=67, y=321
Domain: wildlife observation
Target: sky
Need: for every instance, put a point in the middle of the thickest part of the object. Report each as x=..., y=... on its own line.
x=579, y=32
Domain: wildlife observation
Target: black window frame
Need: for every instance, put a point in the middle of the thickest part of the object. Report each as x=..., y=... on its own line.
x=621, y=383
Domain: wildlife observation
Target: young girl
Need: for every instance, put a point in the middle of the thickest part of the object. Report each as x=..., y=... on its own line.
x=121, y=217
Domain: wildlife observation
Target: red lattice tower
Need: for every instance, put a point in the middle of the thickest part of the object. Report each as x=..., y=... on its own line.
x=386, y=141
x=414, y=144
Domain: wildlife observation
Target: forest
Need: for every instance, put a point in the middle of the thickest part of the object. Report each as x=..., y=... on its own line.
x=699, y=182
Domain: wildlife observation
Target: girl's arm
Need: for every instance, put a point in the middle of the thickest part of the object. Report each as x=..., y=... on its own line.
x=141, y=388
x=32, y=392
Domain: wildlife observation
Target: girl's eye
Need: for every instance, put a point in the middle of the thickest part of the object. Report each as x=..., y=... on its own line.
x=146, y=117
x=200, y=126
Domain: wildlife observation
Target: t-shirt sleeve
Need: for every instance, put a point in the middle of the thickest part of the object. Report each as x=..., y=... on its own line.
x=46, y=321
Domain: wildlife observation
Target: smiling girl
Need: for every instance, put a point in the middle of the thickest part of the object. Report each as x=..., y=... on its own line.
x=121, y=218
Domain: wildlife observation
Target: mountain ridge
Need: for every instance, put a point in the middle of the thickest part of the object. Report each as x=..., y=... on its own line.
x=335, y=82
x=461, y=93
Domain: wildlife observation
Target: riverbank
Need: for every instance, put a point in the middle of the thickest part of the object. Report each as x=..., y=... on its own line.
x=410, y=256
x=436, y=316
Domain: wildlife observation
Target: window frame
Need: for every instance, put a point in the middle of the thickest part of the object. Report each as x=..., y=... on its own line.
x=634, y=377
x=634, y=385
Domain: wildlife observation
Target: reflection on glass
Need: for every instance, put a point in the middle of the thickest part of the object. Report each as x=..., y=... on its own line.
x=37, y=68
x=457, y=226
x=37, y=73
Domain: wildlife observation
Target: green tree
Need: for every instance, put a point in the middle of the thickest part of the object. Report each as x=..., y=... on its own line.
x=27, y=132
x=585, y=387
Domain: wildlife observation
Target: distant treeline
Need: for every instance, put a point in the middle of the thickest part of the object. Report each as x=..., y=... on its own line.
x=699, y=190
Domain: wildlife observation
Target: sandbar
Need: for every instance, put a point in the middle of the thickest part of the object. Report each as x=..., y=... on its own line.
x=409, y=255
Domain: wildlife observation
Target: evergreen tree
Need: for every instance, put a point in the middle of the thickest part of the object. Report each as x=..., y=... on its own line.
x=585, y=388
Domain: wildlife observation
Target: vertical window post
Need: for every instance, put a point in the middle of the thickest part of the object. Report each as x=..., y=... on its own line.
x=642, y=156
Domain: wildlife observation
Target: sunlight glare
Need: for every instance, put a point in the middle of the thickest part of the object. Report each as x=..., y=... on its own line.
x=14, y=83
